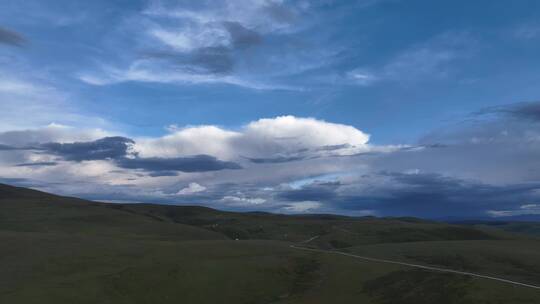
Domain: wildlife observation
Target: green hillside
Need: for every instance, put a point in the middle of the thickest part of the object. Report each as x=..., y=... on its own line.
x=66, y=250
x=530, y=228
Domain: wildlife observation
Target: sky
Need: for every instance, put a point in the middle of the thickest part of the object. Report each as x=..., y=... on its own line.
x=359, y=107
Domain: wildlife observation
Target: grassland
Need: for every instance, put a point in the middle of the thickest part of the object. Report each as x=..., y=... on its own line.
x=65, y=250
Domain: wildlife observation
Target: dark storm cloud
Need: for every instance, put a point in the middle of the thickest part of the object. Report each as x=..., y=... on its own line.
x=428, y=195
x=116, y=149
x=275, y=160
x=37, y=164
x=7, y=148
x=11, y=38
x=14, y=181
x=24, y=182
x=105, y=148
x=163, y=173
x=13, y=148
x=197, y=163
x=434, y=195
x=342, y=150
x=487, y=162
x=241, y=36
x=334, y=147
x=317, y=192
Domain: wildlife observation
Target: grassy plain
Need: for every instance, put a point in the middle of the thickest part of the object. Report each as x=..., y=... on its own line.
x=66, y=250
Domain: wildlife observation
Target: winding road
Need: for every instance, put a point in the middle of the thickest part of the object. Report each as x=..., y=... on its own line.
x=409, y=264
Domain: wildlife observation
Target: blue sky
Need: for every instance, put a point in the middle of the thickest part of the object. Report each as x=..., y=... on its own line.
x=266, y=88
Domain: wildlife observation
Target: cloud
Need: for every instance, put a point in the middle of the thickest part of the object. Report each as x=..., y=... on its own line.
x=192, y=188
x=290, y=133
x=7, y=148
x=242, y=201
x=197, y=163
x=288, y=164
x=211, y=60
x=428, y=195
x=210, y=140
x=425, y=61
x=37, y=164
x=105, y=148
x=20, y=182
x=11, y=38
x=497, y=145
x=145, y=70
x=527, y=209
x=215, y=60
x=193, y=44
x=118, y=149
x=523, y=110
x=312, y=192
x=276, y=160
x=113, y=166
x=163, y=173
x=190, y=150
x=26, y=90
x=268, y=16
x=270, y=140
x=241, y=37
x=50, y=133
x=303, y=207
x=217, y=42
x=362, y=77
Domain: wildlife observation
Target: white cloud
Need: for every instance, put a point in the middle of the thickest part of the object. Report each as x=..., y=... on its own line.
x=302, y=207
x=283, y=136
x=362, y=77
x=521, y=211
x=207, y=139
x=191, y=39
x=289, y=133
x=202, y=26
x=192, y=188
x=242, y=201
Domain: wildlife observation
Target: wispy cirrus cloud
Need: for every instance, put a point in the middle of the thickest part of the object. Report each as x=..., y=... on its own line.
x=432, y=59
x=523, y=110
x=223, y=42
x=23, y=91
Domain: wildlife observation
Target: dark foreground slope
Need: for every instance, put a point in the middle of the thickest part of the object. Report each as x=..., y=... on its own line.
x=66, y=250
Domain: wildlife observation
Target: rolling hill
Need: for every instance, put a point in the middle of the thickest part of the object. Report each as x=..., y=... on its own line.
x=67, y=250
